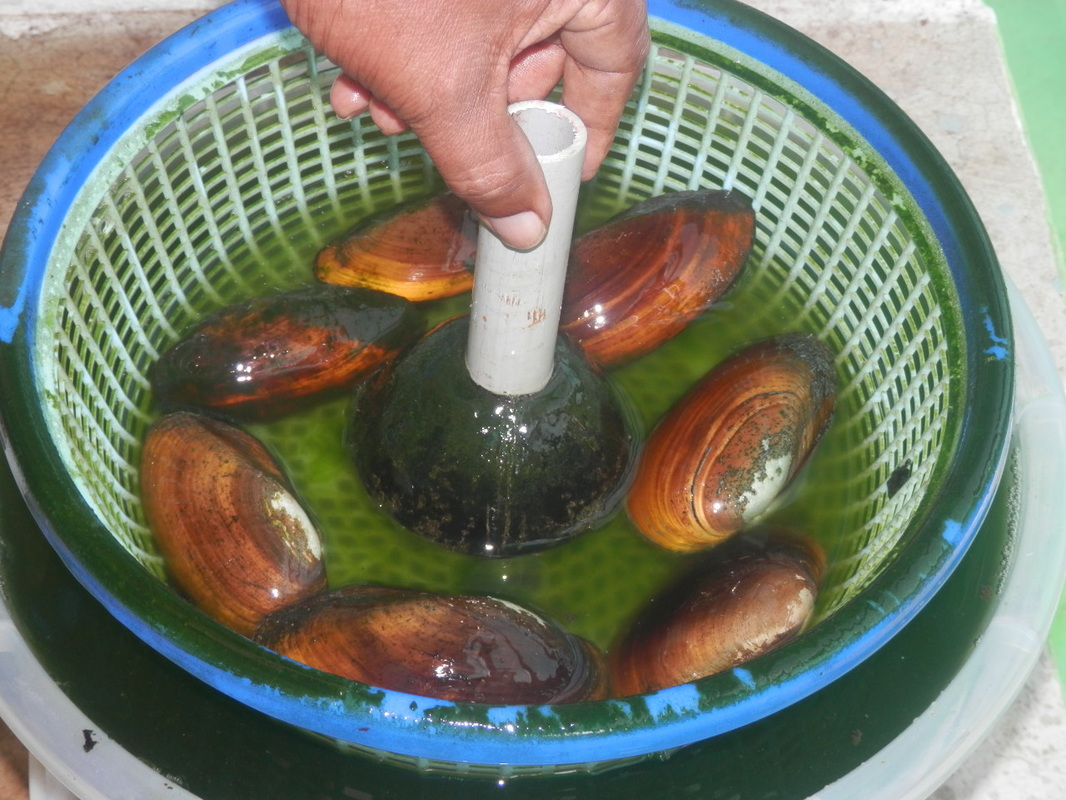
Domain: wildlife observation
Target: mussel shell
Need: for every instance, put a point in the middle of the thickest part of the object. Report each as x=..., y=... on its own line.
x=420, y=250
x=266, y=356
x=489, y=475
x=461, y=648
x=234, y=537
x=736, y=602
x=638, y=280
x=722, y=455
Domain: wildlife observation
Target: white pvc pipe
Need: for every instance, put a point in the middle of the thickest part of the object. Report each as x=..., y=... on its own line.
x=517, y=295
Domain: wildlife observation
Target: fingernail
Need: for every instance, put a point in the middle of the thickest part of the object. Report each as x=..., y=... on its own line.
x=347, y=111
x=348, y=99
x=522, y=231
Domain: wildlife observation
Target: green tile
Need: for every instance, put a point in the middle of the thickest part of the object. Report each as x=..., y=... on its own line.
x=1034, y=41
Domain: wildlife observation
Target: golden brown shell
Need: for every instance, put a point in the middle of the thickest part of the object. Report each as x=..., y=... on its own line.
x=638, y=280
x=235, y=539
x=737, y=602
x=269, y=355
x=452, y=647
x=720, y=457
x=420, y=250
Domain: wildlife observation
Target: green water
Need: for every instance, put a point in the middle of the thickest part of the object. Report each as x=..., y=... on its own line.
x=593, y=583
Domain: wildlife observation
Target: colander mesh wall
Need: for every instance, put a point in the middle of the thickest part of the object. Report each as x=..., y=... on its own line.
x=258, y=170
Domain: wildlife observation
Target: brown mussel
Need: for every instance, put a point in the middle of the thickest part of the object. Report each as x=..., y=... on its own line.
x=721, y=456
x=462, y=648
x=420, y=250
x=233, y=535
x=266, y=356
x=638, y=280
x=736, y=602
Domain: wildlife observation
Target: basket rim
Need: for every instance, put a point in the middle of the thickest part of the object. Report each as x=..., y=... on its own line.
x=517, y=735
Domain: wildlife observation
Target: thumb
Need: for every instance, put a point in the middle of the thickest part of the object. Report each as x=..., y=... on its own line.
x=486, y=159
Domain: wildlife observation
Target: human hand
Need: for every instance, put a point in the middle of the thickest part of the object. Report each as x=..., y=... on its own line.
x=448, y=69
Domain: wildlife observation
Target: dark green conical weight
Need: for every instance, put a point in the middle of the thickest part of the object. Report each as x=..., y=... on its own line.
x=487, y=474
